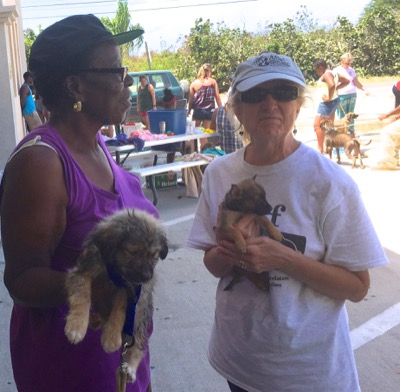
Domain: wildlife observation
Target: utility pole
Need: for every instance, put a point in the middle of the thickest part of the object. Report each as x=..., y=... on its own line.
x=148, y=55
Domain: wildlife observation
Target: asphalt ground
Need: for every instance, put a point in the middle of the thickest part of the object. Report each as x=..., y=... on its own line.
x=185, y=291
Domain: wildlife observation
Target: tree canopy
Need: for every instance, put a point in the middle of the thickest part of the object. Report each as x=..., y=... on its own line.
x=119, y=24
x=122, y=23
x=394, y=4
x=374, y=42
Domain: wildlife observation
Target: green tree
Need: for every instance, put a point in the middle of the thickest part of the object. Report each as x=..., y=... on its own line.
x=374, y=42
x=122, y=23
x=300, y=38
x=222, y=47
x=393, y=4
x=379, y=42
x=29, y=38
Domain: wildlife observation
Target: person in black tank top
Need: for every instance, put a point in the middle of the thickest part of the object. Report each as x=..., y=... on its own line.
x=146, y=100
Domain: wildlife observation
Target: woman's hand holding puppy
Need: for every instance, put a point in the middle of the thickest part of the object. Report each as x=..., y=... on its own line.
x=216, y=260
x=265, y=254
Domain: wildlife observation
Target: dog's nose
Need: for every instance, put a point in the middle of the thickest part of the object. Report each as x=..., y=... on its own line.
x=146, y=274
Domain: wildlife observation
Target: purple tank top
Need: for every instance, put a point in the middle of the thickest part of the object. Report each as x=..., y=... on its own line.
x=204, y=98
x=43, y=360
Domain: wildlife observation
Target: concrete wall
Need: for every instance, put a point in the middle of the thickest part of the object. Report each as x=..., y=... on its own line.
x=12, y=66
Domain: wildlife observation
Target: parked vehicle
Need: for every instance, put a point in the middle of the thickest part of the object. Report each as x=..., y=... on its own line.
x=160, y=79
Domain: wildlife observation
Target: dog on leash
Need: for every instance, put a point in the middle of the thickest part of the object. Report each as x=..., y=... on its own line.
x=114, y=270
x=246, y=197
x=351, y=145
x=343, y=124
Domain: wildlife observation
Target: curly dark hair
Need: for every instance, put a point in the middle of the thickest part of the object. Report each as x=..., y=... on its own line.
x=320, y=63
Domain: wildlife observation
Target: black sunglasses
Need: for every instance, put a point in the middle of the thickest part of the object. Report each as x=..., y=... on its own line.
x=282, y=93
x=122, y=71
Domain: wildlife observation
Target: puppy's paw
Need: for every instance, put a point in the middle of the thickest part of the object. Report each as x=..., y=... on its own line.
x=241, y=245
x=75, y=330
x=131, y=374
x=243, y=249
x=111, y=340
x=125, y=374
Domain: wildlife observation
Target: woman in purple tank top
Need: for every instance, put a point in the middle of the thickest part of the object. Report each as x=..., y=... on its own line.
x=57, y=185
x=203, y=94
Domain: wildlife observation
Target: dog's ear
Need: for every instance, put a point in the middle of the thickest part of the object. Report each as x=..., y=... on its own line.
x=90, y=257
x=236, y=190
x=164, y=246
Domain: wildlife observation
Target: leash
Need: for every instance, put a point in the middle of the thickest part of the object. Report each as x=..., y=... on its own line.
x=131, y=305
x=128, y=340
x=130, y=314
x=128, y=329
x=341, y=107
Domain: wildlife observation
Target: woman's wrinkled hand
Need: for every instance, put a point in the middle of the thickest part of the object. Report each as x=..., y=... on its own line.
x=263, y=254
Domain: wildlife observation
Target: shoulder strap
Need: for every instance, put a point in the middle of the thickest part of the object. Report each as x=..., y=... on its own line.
x=36, y=141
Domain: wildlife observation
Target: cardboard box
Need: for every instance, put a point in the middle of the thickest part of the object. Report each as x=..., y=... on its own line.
x=175, y=120
x=164, y=180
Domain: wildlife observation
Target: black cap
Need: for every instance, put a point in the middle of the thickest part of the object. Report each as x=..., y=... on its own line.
x=61, y=43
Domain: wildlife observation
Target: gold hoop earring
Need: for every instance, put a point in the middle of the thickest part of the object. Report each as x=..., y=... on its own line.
x=77, y=106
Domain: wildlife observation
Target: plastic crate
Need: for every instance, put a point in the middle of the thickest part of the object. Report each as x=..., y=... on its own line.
x=175, y=120
x=164, y=180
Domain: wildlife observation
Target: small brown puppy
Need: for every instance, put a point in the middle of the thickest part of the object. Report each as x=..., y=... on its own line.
x=335, y=139
x=246, y=197
x=343, y=124
x=115, y=267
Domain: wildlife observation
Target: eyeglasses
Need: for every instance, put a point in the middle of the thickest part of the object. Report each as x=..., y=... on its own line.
x=122, y=71
x=282, y=93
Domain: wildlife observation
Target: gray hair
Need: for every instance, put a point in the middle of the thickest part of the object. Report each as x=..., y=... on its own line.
x=235, y=101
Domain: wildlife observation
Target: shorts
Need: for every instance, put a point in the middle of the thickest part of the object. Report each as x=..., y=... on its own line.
x=143, y=114
x=32, y=120
x=202, y=114
x=325, y=109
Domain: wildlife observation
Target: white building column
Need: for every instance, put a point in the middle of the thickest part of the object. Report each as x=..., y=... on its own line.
x=12, y=67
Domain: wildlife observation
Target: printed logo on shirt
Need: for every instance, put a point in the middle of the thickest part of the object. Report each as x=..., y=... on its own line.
x=291, y=240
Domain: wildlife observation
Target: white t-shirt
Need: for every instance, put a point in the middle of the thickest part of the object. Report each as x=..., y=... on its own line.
x=291, y=338
x=350, y=74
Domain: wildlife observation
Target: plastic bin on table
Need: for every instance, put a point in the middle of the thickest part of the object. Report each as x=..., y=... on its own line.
x=175, y=120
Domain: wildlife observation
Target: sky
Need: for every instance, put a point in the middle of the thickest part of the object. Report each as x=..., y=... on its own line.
x=166, y=22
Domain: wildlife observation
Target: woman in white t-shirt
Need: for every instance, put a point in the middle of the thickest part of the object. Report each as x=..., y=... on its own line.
x=295, y=336
x=348, y=94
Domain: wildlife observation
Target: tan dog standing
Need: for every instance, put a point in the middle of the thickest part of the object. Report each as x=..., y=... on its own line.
x=342, y=125
x=351, y=145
